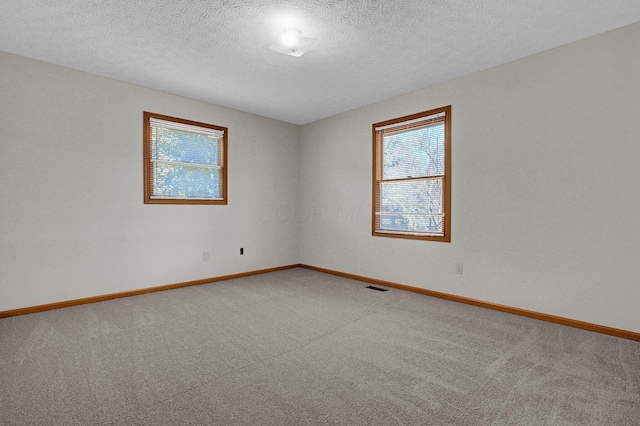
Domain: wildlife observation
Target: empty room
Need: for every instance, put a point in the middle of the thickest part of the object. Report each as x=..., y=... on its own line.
x=319, y=212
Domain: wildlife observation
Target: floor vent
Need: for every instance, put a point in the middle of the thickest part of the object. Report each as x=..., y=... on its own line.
x=377, y=288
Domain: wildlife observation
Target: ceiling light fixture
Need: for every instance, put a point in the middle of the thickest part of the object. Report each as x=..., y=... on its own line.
x=291, y=42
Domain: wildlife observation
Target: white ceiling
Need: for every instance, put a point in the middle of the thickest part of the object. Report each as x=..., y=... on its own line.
x=367, y=50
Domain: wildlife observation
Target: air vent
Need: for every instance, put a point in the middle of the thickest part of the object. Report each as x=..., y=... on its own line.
x=377, y=288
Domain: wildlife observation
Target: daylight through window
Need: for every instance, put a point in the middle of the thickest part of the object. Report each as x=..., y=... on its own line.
x=412, y=176
x=185, y=161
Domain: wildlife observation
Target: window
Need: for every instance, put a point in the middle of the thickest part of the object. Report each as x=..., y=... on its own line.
x=185, y=162
x=412, y=176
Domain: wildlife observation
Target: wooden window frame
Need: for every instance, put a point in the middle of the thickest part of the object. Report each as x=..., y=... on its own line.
x=446, y=178
x=148, y=165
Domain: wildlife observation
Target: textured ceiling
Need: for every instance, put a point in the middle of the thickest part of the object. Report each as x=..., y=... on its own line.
x=367, y=50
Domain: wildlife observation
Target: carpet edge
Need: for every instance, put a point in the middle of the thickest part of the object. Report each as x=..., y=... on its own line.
x=602, y=329
x=110, y=296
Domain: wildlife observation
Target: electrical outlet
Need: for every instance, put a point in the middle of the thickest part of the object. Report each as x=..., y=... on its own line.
x=458, y=268
x=205, y=256
x=241, y=250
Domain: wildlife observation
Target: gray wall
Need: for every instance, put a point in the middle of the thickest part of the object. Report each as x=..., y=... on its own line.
x=72, y=214
x=545, y=197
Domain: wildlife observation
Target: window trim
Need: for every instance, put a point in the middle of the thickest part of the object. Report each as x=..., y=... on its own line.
x=446, y=178
x=147, y=163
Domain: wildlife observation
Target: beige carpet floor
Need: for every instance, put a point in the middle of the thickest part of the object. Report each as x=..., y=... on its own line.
x=298, y=347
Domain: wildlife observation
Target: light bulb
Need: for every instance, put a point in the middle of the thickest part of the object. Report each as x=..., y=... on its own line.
x=292, y=42
x=290, y=38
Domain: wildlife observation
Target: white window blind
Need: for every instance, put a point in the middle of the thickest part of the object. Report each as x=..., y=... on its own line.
x=174, y=125
x=185, y=160
x=410, y=179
